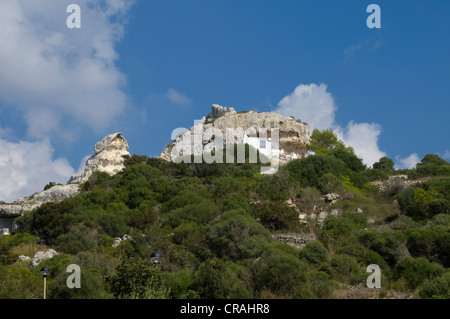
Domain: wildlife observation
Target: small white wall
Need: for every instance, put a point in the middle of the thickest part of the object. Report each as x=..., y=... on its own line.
x=256, y=143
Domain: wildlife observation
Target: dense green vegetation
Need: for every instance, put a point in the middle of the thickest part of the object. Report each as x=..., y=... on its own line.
x=213, y=224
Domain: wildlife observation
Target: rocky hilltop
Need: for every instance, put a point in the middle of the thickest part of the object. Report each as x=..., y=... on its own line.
x=293, y=134
x=109, y=157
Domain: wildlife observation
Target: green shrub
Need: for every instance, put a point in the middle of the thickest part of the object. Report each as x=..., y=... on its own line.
x=346, y=268
x=441, y=219
x=144, y=216
x=217, y=279
x=416, y=270
x=307, y=171
x=57, y=265
x=228, y=238
x=200, y=213
x=339, y=229
x=353, y=162
x=431, y=164
x=234, y=201
x=438, y=206
x=436, y=288
x=48, y=220
x=276, y=215
x=375, y=175
x=385, y=164
x=430, y=242
x=364, y=256
x=391, y=245
x=114, y=225
x=328, y=183
x=441, y=186
x=314, y=252
x=319, y=285
x=136, y=278
x=18, y=282
x=7, y=257
x=325, y=141
x=182, y=200
x=280, y=271
x=179, y=284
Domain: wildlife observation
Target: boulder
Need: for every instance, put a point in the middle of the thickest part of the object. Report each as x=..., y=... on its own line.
x=332, y=198
x=321, y=217
x=24, y=258
x=128, y=237
x=117, y=241
x=303, y=218
x=8, y=211
x=42, y=255
x=109, y=157
x=56, y=194
x=335, y=212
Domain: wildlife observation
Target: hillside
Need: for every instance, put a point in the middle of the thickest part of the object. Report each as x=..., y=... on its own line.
x=227, y=231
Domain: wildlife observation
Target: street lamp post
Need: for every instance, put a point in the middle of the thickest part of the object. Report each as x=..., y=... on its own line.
x=155, y=257
x=45, y=272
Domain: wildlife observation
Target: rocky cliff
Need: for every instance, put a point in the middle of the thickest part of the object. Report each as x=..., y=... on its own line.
x=293, y=134
x=109, y=157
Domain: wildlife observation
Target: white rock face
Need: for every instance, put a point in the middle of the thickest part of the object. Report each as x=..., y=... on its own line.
x=118, y=240
x=293, y=135
x=23, y=258
x=40, y=256
x=332, y=198
x=108, y=158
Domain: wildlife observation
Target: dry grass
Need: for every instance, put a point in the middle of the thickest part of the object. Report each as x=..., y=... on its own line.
x=29, y=249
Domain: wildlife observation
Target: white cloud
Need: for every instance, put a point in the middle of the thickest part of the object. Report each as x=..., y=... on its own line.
x=62, y=81
x=310, y=103
x=350, y=51
x=363, y=137
x=407, y=162
x=82, y=165
x=26, y=167
x=446, y=155
x=177, y=97
x=313, y=104
x=54, y=74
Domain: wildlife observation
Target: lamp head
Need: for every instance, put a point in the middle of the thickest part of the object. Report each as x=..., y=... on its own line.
x=45, y=271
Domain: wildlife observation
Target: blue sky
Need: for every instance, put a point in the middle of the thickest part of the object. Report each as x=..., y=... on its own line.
x=147, y=67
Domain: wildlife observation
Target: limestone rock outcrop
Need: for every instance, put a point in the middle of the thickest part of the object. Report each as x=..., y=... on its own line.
x=40, y=256
x=109, y=157
x=293, y=134
x=397, y=182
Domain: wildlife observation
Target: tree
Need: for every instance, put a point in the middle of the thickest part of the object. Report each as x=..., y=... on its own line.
x=324, y=141
x=385, y=164
x=218, y=279
x=136, y=278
